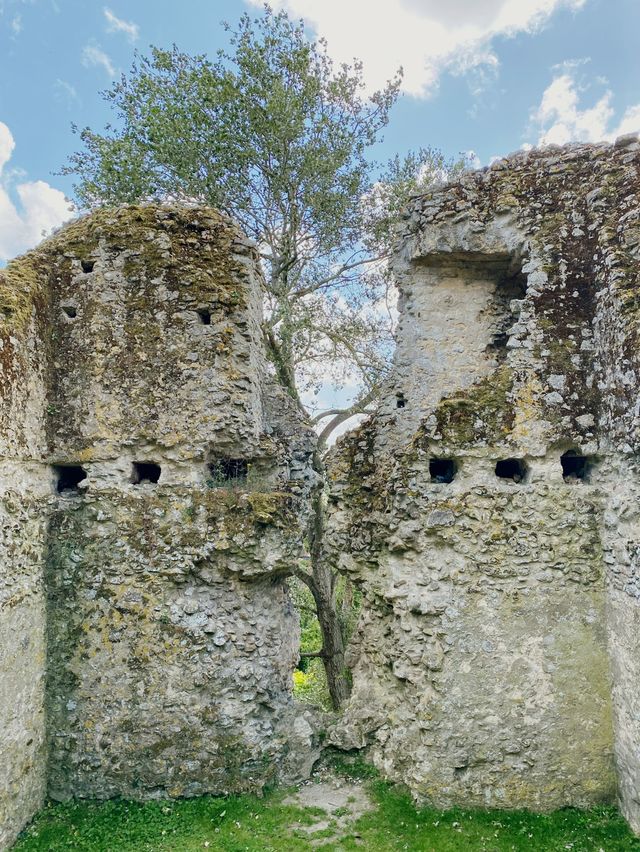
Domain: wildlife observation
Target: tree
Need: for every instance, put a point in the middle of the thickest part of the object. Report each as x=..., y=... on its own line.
x=272, y=133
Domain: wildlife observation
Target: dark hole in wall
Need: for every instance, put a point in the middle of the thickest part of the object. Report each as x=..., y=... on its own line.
x=574, y=466
x=229, y=470
x=400, y=400
x=510, y=287
x=145, y=472
x=498, y=341
x=69, y=477
x=514, y=285
x=514, y=469
x=204, y=314
x=442, y=470
x=87, y=265
x=70, y=311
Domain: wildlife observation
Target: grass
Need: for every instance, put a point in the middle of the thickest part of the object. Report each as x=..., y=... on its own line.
x=251, y=824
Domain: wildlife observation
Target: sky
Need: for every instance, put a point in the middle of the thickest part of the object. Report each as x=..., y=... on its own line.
x=480, y=76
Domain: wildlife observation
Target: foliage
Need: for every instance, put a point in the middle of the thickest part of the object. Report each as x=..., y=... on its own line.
x=310, y=685
x=238, y=475
x=250, y=824
x=272, y=133
x=309, y=678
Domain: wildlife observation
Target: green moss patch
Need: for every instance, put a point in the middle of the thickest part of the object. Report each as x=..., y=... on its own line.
x=484, y=412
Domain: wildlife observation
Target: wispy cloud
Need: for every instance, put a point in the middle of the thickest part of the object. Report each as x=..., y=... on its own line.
x=117, y=25
x=563, y=116
x=425, y=37
x=65, y=92
x=16, y=25
x=94, y=56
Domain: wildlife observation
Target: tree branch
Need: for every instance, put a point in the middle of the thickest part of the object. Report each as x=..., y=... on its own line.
x=305, y=291
x=358, y=407
x=331, y=411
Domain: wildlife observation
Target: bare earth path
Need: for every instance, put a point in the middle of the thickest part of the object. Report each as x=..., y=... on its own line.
x=343, y=800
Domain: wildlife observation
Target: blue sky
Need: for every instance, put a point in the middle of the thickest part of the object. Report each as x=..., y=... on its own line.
x=486, y=76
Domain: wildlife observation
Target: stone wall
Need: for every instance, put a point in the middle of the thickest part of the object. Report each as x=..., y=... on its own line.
x=156, y=509
x=24, y=491
x=488, y=512
x=155, y=485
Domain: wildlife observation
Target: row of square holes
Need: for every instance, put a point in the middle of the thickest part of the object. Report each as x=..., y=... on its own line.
x=69, y=476
x=204, y=314
x=574, y=467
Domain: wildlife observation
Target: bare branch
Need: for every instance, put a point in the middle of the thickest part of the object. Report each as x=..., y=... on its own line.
x=358, y=407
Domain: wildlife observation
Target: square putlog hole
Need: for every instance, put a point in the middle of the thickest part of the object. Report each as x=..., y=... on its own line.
x=69, y=477
x=70, y=311
x=513, y=469
x=204, y=315
x=442, y=470
x=145, y=472
x=575, y=467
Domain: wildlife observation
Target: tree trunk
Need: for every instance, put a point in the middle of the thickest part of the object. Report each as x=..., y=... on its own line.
x=332, y=638
x=322, y=584
x=322, y=580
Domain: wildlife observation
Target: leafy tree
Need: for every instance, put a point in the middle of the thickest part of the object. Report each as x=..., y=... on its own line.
x=272, y=133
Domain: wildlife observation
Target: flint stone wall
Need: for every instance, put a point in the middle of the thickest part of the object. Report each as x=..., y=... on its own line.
x=496, y=657
x=147, y=635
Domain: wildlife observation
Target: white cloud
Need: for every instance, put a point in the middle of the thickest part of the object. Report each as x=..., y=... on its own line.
x=117, y=25
x=7, y=145
x=92, y=55
x=561, y=116
x=38, y=210
x=16, y=24
x=424, y=36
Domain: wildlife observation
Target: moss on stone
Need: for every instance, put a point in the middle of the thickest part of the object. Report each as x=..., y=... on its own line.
x=483, y=413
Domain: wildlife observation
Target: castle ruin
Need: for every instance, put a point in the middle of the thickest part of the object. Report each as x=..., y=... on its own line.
x=155, y=485
x=489, y=510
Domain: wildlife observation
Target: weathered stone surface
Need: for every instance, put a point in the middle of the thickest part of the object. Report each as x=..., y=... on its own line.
x=131, y=352
x=500, y=615
x=155, y=481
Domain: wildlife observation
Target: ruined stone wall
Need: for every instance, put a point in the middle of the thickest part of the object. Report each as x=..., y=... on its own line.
x=168, y=516
x=500, y=612
x=24, y=490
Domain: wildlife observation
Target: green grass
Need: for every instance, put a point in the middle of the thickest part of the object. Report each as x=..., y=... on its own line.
x=397, y=825
x=251, y=824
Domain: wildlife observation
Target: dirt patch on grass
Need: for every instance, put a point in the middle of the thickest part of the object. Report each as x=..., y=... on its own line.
x=343, y=801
